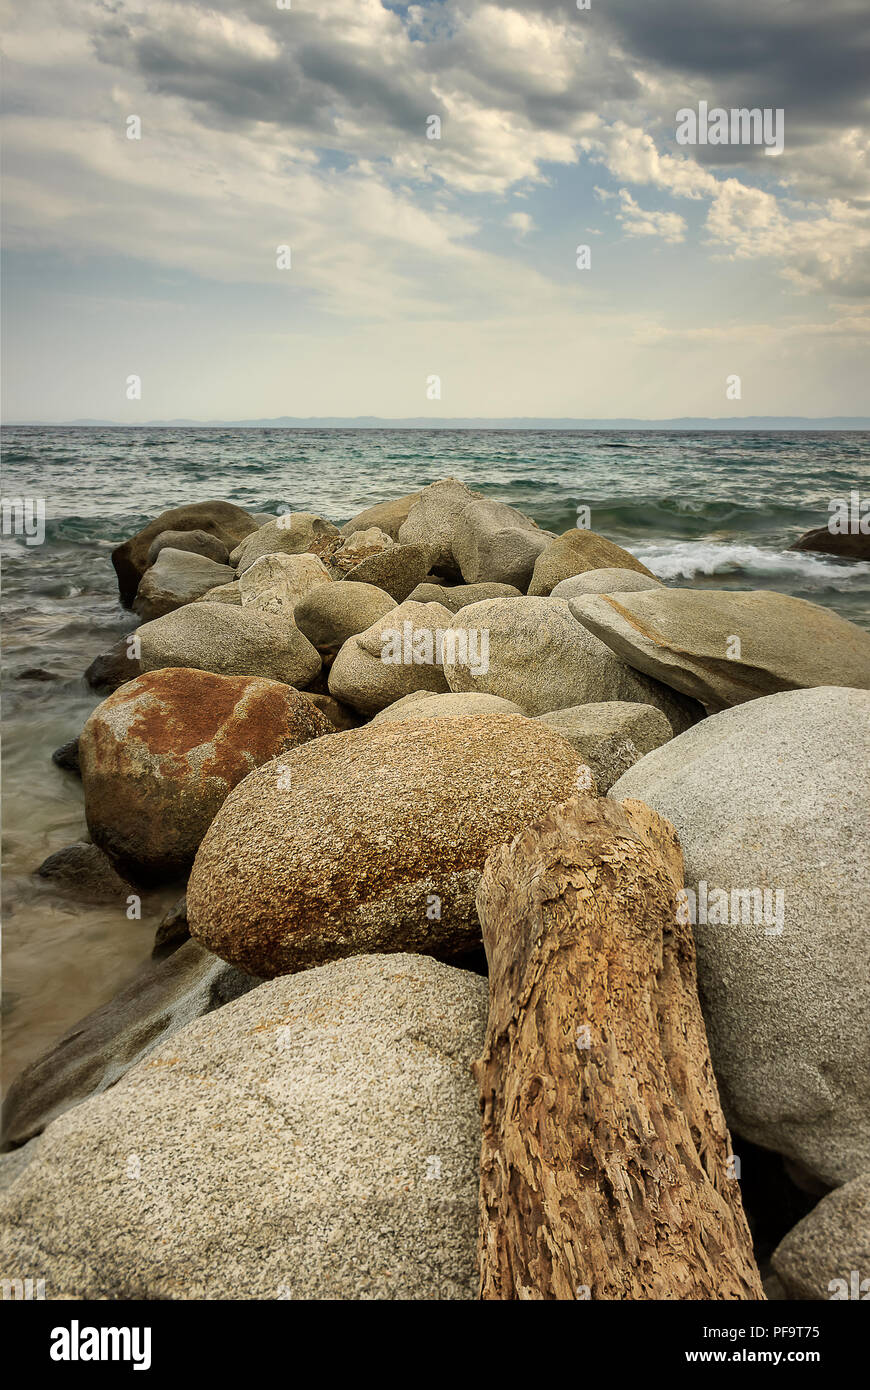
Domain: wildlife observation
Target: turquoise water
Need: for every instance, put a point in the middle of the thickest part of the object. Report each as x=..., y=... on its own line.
x=699, y=508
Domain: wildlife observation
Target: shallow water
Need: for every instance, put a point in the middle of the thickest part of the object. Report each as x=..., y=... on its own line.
x=700, y=509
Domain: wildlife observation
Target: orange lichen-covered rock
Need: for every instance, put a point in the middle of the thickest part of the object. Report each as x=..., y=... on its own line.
x=161, y=754
x=371, y=840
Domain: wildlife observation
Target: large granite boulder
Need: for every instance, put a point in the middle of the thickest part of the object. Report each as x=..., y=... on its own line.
x=372, y=840
x=827, y=1254
x=460, y=595
x=177, y=577
x=160, y=755
x=431, y=522
x=848, y=545
x=230, y=640
x=388, y=516
x=532, y=651
x=397, y=569
x=316, y=1139
x=772, y=796
x=423, y=705
x=610, y=737
x=293, y=533
x=393, y=657
x=163, y=996
x=198, y=542
x=229, y=524
x=495, y=543
x=606, y=581
x=277, y=582
x=723, y=647
x=576, y=552
x=331, y=613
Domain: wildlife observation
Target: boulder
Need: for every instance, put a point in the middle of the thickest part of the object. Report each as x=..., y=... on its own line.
x=432, y=520
x=771, y=795
x=360, y=546
x=229, y=524
x=606, y=581
x=340, y=716
x=84, y=871
x=159, y=756
x=199, y=542
x=533, y=652
x=724, y=647
x=331, y=613
x=67, y=757
x=160, y=1000
x=827, y=1254
x=230, y=641
x=177, y=577
x=460, y=595
x=277, y=582
x=387, y=516
x=112, y=668
x=849, y=545
x=290, y=534
x=316, y=1139
x=374, y=841
x=575, y=552
x=397, y=570
x=172, y=930
x=393, y=657
x=422, y=705
x=224, y=593
x=610, y=737
x=497, y=544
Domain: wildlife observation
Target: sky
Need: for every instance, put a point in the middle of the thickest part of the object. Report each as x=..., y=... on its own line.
x=432, y=277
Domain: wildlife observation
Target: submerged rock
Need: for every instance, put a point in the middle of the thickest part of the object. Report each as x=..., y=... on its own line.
x=83, y=870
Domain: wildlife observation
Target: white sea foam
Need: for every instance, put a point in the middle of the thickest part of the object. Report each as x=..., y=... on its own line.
x=689, y=559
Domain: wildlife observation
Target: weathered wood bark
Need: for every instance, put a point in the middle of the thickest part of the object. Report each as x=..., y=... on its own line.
x=605, y=1162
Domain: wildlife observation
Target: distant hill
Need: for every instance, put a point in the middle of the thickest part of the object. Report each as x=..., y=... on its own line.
x=374, y=422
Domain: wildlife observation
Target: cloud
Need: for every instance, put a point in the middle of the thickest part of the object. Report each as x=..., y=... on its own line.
x=669, y=226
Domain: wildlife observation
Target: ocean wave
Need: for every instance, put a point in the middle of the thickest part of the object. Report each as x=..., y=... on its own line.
x=692, y=559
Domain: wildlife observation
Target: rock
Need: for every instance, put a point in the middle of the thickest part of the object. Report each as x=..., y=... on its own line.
x=37, y=673
x=374, y=842
x=277, y=582
x=340, y=716
x=67, y=757
x=850, y=545
x=112, y=668
x=387, y=516
x=318, y=1138
x=199, y=542
x=177, y=577
x=331, y=613
x=606, y=581
x=612, y=736
x=230, y=641
x=160, y=1000
x=393, y=657
x=360, y=546
x=224, y=593
x=496, y=543
x=290, y=534
x=432, y=520
x=422, y=705
x=461, y=594
x=723, y=647
x=575, y=552
x=827, y=1254
x=172, y=930
x=770, y=795
x=533, y=652
x=227, y=523
x=159, y=757
x=84, y=871
x=396, y=571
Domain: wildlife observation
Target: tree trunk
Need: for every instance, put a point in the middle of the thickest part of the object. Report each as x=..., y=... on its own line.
x=605, y=1166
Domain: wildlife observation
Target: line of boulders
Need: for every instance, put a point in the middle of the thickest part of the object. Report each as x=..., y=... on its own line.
x=334, y=811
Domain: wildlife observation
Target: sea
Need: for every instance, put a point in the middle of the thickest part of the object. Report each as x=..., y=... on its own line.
x=711, y=509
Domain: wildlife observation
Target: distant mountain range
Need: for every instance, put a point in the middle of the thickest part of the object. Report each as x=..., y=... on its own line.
x=374, y=422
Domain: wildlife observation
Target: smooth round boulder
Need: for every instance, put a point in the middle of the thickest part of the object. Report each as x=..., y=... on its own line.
x=160, y=755
x=396, y=569
x=422, y=705
x=576, y=552
x=495, y=543
x=432, y=520
x=177, y=577
x=230, y=640
x=771, y=802
x=604, y=581
x=277, y=582
x=826, y=1256
x=198, y=542
x=290, y=534
x=387, y=516
x=331, y=613
x=461, y=595
x=371, y=840
x=228, y=523
x=610, y=737
x=398, y=654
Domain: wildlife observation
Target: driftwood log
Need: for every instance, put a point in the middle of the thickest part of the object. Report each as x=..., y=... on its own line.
x=606, y=1168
